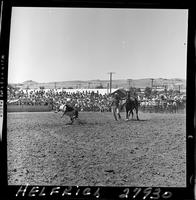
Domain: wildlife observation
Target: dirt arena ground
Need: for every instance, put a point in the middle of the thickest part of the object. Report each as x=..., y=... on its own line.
x=96, y=150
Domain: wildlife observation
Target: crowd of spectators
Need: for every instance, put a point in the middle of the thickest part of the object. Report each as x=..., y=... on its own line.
x=83, y=101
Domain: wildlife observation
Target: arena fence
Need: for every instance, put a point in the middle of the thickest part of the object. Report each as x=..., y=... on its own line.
x=28, y=108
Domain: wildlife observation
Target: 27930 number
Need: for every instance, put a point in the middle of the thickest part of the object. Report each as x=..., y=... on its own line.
x=144, y=193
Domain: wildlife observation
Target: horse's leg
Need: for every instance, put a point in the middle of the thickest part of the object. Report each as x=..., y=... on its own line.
x=132, y=113
x=175, y=108
x=127, y=114
x=136, y=109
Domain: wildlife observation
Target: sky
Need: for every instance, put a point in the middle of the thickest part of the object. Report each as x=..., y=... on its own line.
x=65, y=44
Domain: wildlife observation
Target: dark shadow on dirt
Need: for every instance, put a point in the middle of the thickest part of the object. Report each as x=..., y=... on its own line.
x=140, y=120
x=79, y=122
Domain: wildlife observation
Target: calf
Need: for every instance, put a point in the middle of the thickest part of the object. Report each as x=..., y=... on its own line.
x=69, y=111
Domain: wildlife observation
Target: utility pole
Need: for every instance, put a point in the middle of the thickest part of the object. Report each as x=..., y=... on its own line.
x=165, y=86
x=152, y=79
x=111, y=81
x=129, y=82
x=179, y=89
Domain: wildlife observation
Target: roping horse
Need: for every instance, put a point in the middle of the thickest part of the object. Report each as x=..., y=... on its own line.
x=130, y=105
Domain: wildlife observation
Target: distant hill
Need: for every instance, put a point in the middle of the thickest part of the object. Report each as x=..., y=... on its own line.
x=29, y=82
x=124, y=83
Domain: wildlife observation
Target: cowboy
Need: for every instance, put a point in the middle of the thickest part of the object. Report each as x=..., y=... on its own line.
x=116, y=106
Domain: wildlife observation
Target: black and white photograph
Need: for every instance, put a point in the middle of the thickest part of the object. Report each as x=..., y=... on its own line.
x=97, y=97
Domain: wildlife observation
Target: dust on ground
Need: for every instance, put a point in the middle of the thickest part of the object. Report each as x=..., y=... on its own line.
x=96, y=150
